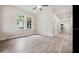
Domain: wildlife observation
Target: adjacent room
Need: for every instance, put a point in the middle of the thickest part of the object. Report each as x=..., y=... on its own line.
x=36, y=29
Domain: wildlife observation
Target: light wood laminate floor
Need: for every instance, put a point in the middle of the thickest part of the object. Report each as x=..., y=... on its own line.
x=60, y=43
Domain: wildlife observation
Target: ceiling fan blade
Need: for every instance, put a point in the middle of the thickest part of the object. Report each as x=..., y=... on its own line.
x=34, y=8
x=44, y=5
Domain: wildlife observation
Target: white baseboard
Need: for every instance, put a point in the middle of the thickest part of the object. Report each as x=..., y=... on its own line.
x=45, y=34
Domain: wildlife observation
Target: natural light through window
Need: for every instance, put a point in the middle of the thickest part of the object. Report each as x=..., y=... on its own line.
x=23, y=22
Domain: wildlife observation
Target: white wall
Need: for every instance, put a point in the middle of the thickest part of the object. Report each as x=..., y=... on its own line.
x=56, y=24
x=9, y=24
x=0, y=19
x=47, y=23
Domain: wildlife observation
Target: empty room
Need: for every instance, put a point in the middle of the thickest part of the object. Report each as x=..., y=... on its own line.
x=36, y=29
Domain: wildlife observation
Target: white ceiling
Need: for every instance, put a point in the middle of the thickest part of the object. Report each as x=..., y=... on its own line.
x=60, y=10
x=63, y=11
x=27, y=8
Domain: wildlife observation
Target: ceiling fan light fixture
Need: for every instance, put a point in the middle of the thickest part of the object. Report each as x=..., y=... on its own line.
x=39, y=6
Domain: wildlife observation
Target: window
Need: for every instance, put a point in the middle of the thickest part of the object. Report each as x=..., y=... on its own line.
x=23, y=22
x=20, y=22
x=29, y=23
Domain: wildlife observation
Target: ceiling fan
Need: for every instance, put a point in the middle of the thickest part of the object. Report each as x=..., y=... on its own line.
x=39, y=7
